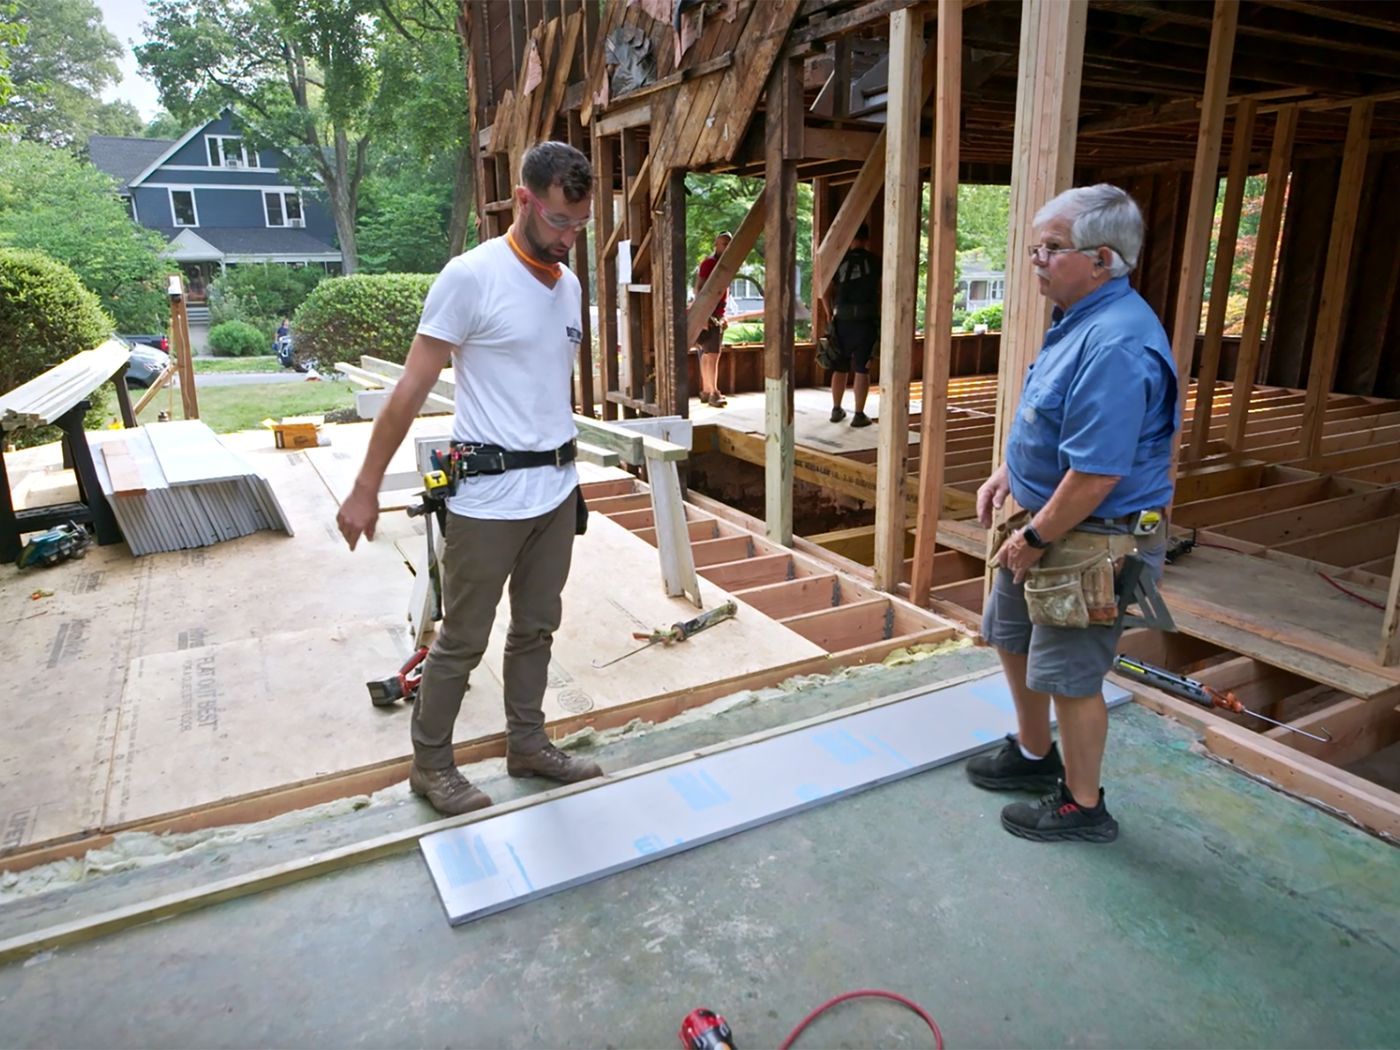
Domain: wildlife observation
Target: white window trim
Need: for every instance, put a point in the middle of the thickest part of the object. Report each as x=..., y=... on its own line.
x=194, y=204
x=206, y=168
x=283, y=187
x=223, y=159
x=284, y=194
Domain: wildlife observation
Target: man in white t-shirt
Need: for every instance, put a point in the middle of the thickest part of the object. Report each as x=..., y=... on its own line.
x=507, y=317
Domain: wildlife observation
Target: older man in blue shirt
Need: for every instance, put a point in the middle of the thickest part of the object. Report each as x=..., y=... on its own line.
x=1089, y=453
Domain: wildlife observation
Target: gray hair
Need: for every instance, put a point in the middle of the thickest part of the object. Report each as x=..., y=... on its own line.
x=1100, y=215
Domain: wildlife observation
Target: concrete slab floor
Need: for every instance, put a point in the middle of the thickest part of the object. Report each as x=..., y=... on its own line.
x=1225, y=915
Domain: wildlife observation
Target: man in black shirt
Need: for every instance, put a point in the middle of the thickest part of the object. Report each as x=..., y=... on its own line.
x=855, y=325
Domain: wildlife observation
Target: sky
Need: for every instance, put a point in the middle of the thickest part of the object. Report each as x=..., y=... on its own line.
x=124, y=18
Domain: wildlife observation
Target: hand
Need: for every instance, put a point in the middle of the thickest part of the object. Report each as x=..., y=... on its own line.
x=358, y=516
x=1017, y=556
x=992, y=494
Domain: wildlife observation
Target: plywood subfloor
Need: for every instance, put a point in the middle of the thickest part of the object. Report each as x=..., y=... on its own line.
x=158, y=684
x=1288, y=618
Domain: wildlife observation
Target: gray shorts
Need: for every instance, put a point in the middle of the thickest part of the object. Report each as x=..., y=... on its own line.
x=1063, y=661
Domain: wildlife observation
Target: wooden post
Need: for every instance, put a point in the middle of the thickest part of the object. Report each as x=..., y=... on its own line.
x=1220, y=282
x=184, y=358
x=1205, y=178
x=1261, y=276
x=669, y=294
x=898, y=292
x=822, y=211
x=1334, y=283
x=604, y=204
x=585, y=346
x=782, y=132
x=1047, y=113
x=938, y=314
x=1389, y=654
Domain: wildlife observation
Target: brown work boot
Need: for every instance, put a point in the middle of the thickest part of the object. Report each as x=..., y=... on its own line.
x=446, y=790
x=550, y=762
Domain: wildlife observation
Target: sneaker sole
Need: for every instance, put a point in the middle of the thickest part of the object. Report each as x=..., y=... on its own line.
x=1041, y=783
x=1101, y=833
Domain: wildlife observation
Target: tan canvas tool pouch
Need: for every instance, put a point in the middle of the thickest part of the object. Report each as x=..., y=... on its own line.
x=1073, y=584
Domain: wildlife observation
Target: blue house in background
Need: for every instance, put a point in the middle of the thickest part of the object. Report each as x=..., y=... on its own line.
x=218, y=202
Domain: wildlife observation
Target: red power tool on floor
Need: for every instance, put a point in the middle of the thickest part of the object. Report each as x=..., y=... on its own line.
x=706, y=1030
x=402, y=686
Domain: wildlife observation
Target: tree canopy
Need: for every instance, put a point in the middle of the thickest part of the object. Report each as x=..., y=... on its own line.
x=59, y=68
x=67, y=209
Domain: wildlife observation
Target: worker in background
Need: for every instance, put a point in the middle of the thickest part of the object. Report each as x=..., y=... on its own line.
x=506, y=316
x=1088, y=459
x=855, y=325
x=712, y=338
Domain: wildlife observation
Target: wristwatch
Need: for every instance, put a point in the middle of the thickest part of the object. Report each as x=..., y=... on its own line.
x=1033, y=538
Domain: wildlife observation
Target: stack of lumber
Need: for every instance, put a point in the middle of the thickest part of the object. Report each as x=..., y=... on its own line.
x=47, y=398
x=173, y=486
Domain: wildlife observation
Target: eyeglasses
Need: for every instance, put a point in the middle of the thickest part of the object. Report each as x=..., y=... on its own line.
x=1041, y=254
x=558, y=222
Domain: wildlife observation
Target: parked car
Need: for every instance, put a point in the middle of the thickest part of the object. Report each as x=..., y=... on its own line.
x=147, y=361
x=158, y=342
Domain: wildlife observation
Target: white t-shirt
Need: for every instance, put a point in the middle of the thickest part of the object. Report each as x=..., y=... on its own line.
x=515, y=342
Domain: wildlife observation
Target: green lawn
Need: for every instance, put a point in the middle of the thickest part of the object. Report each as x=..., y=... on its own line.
x=268, y=363
x=230, y=408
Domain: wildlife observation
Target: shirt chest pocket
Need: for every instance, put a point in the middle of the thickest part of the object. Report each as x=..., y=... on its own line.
x=1042, y=405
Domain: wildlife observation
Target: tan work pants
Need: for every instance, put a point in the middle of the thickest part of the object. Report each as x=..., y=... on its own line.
x=534, y=554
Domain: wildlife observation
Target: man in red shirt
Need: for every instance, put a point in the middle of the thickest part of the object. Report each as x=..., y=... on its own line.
x=713, y=335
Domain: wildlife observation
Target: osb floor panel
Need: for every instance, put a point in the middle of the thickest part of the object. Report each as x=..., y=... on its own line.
x=148, y=686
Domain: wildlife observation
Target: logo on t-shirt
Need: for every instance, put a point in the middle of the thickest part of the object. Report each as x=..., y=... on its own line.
x=574, y=333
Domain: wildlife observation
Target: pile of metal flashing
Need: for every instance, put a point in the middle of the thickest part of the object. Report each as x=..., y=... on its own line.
x=174, y=486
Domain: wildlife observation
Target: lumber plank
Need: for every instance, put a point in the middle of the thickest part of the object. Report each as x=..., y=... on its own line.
x=782, y=127
x=846, y=626
x=938, y=325
x=749, y=572
x=1331, y=312
x=792, y=597
x=1204, y=178
x=1308, y=778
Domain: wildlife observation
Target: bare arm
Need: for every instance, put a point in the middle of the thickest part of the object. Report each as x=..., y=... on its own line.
x=426, y=360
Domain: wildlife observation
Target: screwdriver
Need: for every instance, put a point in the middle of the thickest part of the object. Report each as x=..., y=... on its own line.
x=1198, y=692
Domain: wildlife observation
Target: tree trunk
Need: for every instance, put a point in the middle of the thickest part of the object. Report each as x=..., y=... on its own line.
x=463, y=196
x=341, y=192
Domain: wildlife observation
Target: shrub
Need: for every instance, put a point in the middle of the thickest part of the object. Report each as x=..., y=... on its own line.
x=374, y=314
x=46, y=316
x=988, y=315
x=744, y=332
x=237, y=339
x=261, y=294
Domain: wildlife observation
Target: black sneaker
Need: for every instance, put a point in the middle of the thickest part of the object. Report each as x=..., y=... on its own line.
x=1058, y=818
x=860, y=419
x=837, y=414
x=1009, y=770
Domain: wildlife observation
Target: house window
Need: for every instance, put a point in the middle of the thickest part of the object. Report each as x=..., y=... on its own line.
x=283, y=208
x=183, y=209
x=998, y=291
x=743, y=288
x=978, y=292
x=228, y=151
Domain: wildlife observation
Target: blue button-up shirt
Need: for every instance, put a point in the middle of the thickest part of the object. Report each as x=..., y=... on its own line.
x=1100, y=398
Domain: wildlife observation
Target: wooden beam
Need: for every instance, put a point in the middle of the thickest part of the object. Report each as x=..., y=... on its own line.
x=1262, y=274
x=1224, y=270
x=898, y=292
x=783, y=126
x=1330, y=316
x=1186, y=318
x=604, y=208
x=1047, y=111
x=1389, y=654
x=1308, y=778
x=743, y=242
x=938, y=320
x=672, y=347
